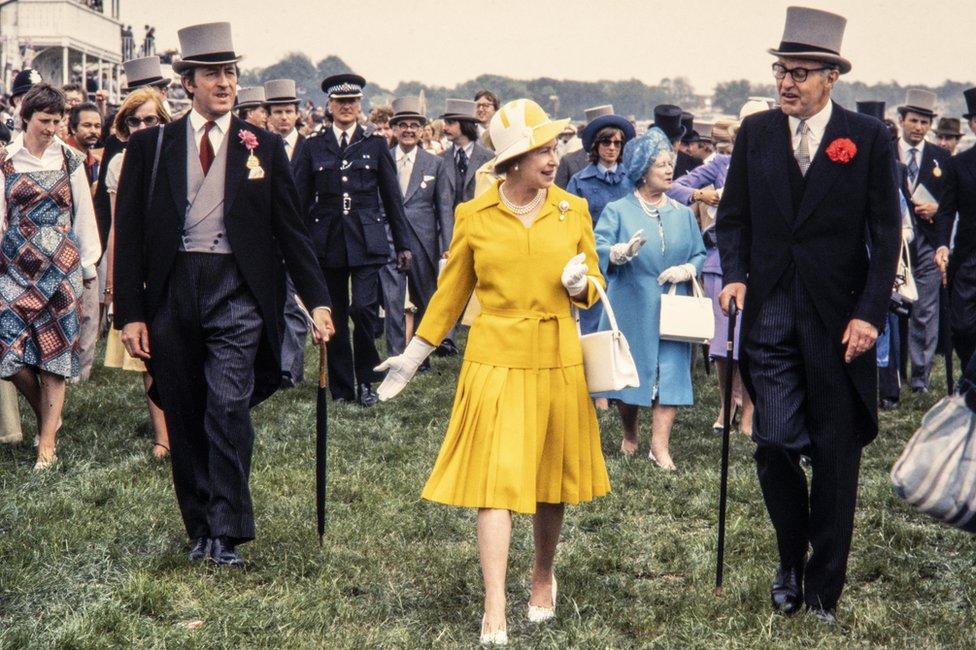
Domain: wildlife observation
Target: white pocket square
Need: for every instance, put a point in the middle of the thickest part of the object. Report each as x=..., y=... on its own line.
x=428, y=178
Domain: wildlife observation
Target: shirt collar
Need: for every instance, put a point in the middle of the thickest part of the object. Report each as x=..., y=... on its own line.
x=409, y=155
x=197, y=122
x=903, y=147
x=817, y=123
x=603, y=170
x=292, y=138
x=17, y=145
x=349, y=133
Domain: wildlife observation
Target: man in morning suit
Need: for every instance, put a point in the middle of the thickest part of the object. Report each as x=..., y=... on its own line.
x=349, y=192
x=809, y=223
x=428, y=205
x=959, y=197
x=924, y=163
x=200, y=284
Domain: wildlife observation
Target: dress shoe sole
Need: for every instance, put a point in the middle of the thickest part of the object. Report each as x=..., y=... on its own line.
x=236, y=564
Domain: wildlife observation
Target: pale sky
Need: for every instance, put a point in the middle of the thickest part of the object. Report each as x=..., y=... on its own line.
x=449, y=41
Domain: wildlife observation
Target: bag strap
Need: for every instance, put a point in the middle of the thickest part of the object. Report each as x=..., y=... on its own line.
x=606, y=302
x=696, y=288
x=71, y=190
x=155, y=168
x=906, y=255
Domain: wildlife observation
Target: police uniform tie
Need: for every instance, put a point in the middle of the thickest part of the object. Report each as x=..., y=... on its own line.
x=206, y=148
x=343, y=142
x=912, y=166
x=803, y=149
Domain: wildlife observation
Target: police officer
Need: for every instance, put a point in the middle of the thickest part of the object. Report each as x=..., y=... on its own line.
x=347, y=184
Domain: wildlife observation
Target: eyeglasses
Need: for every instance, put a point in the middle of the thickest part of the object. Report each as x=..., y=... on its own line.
x=412, y=126
x=484, y=105
x=609, y=142
x=134, y=122
x=799, y=75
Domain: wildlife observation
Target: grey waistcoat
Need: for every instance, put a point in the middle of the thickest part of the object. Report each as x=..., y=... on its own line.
x=203, y=227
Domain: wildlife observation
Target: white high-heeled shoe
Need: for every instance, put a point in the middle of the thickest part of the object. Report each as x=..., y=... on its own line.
x=498, y=637
x=542, y=614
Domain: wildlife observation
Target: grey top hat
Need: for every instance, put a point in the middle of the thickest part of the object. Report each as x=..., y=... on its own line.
x=460, y=109
x=919, y=101
x=597, y=111
x=813, y=34
x=251, y=97
x=407, y=108
x=280, y=91
x=144, y=72
x=207, y=44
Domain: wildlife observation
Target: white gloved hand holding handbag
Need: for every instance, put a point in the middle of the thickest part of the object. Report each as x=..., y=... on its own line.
x=676, y=274
x=623, y=253
x=574, y=275
x=401, y=368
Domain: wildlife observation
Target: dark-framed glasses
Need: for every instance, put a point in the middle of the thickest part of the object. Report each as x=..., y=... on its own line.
x=411, y=126
x=134, y=122
x=610, y=142
x=799, y=75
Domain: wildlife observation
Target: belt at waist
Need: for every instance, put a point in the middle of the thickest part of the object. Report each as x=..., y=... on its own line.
x=563, y=321
x=348, y=203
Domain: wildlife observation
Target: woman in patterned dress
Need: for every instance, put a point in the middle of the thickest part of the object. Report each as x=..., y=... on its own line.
x=49, y=249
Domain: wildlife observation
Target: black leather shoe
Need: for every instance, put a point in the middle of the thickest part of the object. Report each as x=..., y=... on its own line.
x=446, y=349
x=787, y=591
x=222, y=553
x=200, y=549
x=888, y=405
x=366, y=395
x=822, y=614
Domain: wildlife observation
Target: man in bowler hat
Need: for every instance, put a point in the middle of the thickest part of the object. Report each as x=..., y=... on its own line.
x=200, y=284
x=809, y=234
x=347, y=184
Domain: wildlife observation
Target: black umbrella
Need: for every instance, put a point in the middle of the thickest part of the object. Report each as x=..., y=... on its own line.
x=321, y=441
x=726, y=428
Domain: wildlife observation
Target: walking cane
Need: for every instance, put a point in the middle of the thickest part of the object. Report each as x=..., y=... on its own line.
x=726, y=428
x=946, y=328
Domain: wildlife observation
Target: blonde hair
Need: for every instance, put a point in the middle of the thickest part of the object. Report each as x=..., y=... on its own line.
x=133, y=103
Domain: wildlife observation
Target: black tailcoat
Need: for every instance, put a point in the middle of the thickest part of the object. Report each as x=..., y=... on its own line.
x=931, y=174
x=261, y=220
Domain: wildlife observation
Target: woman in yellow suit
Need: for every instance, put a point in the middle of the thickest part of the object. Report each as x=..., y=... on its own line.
x=523, y=435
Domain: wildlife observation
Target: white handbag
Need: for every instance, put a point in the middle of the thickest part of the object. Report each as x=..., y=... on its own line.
x=607, y=361
x=688, y=319
x=904, y=280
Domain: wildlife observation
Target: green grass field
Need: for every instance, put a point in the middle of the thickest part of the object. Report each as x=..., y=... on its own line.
x=92, y=555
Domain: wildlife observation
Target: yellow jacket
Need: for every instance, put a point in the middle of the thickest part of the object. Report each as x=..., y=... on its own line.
x=526, y=320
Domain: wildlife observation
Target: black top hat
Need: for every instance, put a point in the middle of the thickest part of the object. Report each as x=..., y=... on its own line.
x=667, y=117
x=872, y=108
x=343, y=86
x=970, y=96
x=688, y=122
x=24, y=81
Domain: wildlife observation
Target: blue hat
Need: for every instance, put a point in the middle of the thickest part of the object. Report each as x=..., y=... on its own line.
x=640, y=153
x=595, y=126
x=24, y=81
x=343, y=86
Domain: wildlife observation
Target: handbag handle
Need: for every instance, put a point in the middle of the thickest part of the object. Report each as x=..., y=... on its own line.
x=696, y=288
x=906, y=255
x=606, y=306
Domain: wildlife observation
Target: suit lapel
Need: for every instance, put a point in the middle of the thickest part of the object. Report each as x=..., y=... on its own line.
x=776, y=156
x=174, y=153
x=823, y=172
x=236, y=164
x=473, y=164
x=420, y=166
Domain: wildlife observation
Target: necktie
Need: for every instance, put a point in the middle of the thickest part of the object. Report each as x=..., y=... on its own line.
x=912, y=166
x=803, y=149
x=343, y=142
x=406, y=167
x=206, y=148
x=461, y=167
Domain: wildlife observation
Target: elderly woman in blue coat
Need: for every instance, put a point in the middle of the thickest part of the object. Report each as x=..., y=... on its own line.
x=647, y=242
x=603, y=180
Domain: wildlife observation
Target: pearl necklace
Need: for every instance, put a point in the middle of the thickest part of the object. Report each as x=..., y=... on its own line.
x=522, y=209
x=652, y=212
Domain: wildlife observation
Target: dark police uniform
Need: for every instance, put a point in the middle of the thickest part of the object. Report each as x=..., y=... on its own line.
x=348, y=197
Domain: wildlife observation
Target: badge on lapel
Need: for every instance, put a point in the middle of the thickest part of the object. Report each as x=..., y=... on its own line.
x=250, y=142
x=423, y=183
x=937, y=172
x=563, y=209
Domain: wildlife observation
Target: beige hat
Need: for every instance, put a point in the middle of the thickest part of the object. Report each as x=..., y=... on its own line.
x=813, y=34
x=207, y=44
x=250, y=97
x=280, y=91
x=144, y=72
x=521, y=126
x=724, y=130
x=597, y=111
x=918, y=100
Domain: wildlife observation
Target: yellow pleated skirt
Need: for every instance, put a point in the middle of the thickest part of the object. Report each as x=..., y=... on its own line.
x=518, y=437
x=117, y=357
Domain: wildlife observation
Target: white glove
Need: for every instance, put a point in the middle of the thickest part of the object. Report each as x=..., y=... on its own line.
x=676, y=274
x=623, y=253
x=574, y=275
x=402, y=368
